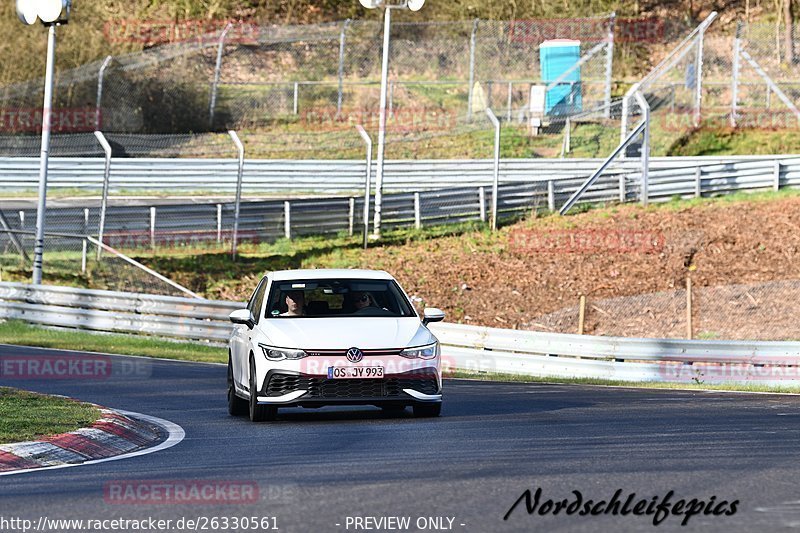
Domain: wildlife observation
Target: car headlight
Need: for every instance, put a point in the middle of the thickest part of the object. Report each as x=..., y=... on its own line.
x=274, y=353
x=421, y=352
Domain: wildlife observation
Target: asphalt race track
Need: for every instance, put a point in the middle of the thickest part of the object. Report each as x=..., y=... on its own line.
x=315, y=468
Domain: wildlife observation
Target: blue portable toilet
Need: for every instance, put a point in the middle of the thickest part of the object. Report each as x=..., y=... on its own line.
x=556, y=56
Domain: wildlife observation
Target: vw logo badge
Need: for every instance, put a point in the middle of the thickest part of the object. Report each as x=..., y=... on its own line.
x=354, y=355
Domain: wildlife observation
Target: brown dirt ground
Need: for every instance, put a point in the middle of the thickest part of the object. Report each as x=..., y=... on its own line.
x=730, y=249
x=631, y=290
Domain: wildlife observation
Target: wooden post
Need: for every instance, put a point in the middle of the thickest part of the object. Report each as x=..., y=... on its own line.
x=688, y=307
x=581, y=314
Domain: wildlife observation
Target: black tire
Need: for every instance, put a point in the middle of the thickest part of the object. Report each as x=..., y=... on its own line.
x=236, y=406
x=427, y=410
x=258, y=413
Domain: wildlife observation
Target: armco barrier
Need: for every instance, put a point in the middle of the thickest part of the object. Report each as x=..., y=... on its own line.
x=466, y=348
x=668, y=175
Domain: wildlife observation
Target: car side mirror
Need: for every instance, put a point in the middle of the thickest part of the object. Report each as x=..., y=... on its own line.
x=243, y=316
x=432, y=314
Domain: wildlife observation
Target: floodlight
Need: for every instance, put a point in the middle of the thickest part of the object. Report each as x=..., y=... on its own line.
x=415, y=5
x=48, y=11
x=370, y=4
x=26, y=11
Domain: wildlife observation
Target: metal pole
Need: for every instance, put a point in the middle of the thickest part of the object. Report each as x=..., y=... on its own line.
x=417, y=212
x=496, y=180
x=623, y=126
x=387, y=22
x=735, y=78
x=609, y=63
x=38, y=248
x=237, y=205
x=153, y=228
x=100, y=75
x=367, y=184
x=341, y=67
x=287, y=219
x=219, y=223
x=508, y=104
x=471, y=68
x=645, y=147
x=106, y=179
x=698, y=75
x=85, y=243
x=294, y=101
x=217, y=69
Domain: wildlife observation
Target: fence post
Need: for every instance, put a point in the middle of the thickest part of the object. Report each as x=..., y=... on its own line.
x=776, y=176
x=417, y=212
x=219, y=223
x=287, y=219
x=645, y=107
x=4, y=224
x=735, y=76
x=609, y=64
x=496, y=180
x=22, y=219
x=698, y=182
x=217, y=70
x=351, y=216
x=368, y=141
x=341, y=68
x=508, y=104
x=581, y=313
x=482, y=202
x=689, y=328
x=471, y=68
x=84, y=244
x=106, y=179
x=698, y=78
x=294, y=101
x=100, y=75
x=623, y=193
x=153, y=228
x=238, y=201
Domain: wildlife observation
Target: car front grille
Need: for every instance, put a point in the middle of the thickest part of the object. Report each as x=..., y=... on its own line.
x=423, y=381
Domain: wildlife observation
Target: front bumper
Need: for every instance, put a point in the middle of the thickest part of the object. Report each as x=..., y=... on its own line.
x=290, y=388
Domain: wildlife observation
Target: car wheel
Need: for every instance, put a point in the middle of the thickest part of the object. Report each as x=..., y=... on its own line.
x=236, y=406
x=426, y=410
x=258, y=413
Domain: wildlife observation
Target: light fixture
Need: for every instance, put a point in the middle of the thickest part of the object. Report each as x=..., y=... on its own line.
x=415, y=5
x=48, y=11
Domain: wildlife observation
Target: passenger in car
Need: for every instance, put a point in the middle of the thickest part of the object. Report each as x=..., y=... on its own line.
x=295, y=304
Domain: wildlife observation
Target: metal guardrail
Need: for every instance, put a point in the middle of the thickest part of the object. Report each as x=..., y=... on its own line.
x=431, y=192
x=467, y=348
x=341, y=176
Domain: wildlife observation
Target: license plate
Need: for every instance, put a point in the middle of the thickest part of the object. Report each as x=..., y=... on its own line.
x=355, y=372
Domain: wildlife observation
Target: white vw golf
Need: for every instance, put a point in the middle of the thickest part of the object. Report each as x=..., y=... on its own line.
x=310, y=338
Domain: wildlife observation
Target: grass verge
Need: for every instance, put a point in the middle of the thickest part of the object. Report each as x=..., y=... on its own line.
x=20, y=333
x=698, y=386
x=28, y=416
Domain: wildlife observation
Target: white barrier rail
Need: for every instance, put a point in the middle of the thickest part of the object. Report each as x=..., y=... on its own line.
x=466, y=348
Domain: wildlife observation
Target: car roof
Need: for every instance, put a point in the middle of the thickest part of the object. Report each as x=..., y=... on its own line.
x=328, y=273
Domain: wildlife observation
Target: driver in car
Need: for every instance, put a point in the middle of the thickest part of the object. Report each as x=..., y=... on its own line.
x=295, y=303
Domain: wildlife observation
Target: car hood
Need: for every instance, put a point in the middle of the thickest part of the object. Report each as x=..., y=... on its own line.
x=344, y=333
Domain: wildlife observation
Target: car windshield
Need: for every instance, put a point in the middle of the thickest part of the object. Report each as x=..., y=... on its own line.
x=337, y=298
